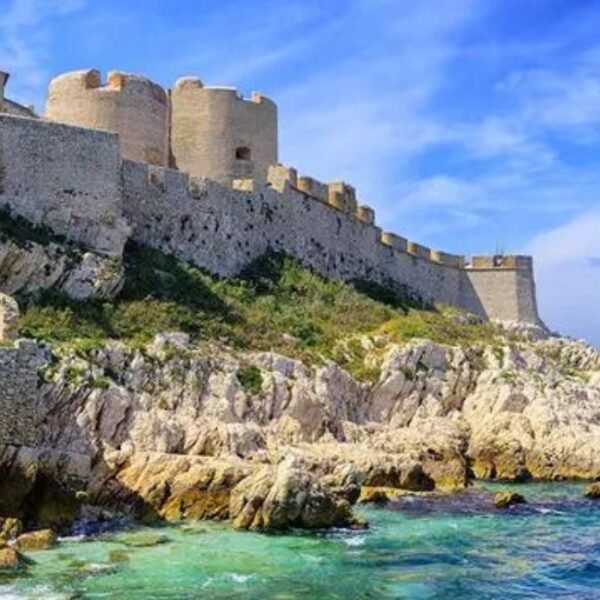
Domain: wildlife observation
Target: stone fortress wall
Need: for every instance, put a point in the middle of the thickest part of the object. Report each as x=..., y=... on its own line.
x=223, y=229
x=74, y=180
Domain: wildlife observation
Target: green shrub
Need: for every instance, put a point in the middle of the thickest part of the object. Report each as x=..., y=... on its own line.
x=250, y=379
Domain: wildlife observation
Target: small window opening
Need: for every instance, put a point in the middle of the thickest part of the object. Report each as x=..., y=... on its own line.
x=243, y=153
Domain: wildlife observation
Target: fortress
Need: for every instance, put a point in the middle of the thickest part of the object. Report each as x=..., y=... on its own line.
x=194, y=172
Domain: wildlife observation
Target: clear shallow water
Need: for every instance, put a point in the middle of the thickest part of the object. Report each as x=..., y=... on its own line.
x=443, y=549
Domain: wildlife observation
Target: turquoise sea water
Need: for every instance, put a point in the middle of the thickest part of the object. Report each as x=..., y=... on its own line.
x=450, y=548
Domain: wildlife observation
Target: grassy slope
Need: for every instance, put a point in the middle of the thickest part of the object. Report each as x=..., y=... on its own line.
x=275, y=304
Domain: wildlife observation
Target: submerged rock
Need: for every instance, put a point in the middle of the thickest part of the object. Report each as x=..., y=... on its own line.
x=380, y=495
x=118, y=556
x=505, y=499
x=144, y=540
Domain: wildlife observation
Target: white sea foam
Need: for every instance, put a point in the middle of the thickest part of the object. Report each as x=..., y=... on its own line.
x=238, y=578
x=355, y=541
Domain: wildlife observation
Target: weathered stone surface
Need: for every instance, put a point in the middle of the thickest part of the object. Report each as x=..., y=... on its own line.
x=10, y=528
x=65, y=178
x=19, y=364
x=223, y=229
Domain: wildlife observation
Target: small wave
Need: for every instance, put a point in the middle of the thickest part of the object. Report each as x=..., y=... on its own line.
x=38, y=593
x=355, y=541
x=71, y=539
x=238, y=578
x=549, y=511
x=235, y=577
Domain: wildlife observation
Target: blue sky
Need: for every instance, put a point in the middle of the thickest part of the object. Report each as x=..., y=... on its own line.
x=469, y=125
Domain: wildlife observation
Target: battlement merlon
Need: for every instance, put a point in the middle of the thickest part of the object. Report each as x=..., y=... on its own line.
x=116, y=82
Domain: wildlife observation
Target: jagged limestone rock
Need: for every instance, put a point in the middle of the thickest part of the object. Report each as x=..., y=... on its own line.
x=174, y=435
x=30, y=267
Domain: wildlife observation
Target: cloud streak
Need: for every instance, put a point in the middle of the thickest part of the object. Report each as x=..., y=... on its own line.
x=24, y=41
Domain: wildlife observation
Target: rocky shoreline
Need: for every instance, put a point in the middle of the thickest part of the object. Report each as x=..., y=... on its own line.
x=174, y=431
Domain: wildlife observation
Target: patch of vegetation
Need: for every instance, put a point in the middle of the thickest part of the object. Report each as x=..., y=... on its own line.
x=438, y=326
x=250, y=379
x=275, y=304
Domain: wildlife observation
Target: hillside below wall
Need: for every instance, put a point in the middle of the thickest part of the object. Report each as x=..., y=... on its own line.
x=65, y=178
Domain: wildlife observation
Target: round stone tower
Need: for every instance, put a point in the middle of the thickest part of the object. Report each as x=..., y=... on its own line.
x=216, y=133
x=132, y=106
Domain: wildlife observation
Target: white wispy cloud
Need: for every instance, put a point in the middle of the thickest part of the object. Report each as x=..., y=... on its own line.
x=568, y=275
x=364, y=117
x=24, y=41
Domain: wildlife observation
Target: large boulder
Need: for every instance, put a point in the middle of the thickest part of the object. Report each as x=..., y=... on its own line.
x=43, y=539
x=506, y=499
x=287, y=496
x=11, y=559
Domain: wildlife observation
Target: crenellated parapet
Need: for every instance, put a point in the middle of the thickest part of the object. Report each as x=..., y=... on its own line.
x=217, y=133
x=132, y=106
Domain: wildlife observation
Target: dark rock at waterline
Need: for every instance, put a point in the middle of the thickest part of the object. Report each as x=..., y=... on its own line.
x=506, y=499
x=593, y=491
x=93, y=521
